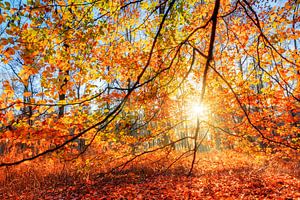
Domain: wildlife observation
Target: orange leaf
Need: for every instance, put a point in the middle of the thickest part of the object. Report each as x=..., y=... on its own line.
x=27, y=94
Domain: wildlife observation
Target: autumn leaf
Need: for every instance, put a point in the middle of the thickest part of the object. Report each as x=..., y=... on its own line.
x=27, y=94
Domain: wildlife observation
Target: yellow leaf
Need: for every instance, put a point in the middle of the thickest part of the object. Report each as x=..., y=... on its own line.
x=10, y=115
x=18, y=106
x=41, y=109
x=62, y=102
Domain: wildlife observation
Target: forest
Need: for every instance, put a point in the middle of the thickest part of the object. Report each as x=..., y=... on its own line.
x=149, y=99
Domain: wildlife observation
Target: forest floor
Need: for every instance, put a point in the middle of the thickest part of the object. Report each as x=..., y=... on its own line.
x=227, y=175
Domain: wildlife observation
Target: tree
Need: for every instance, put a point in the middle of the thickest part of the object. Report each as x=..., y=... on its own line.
x=239, y=58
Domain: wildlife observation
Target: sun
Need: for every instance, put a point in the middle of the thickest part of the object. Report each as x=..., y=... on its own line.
x=199, y=110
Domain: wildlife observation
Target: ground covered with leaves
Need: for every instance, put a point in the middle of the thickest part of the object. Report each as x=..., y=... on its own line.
x=224, y=175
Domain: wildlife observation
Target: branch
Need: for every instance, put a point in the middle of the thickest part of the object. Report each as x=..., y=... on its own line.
x=112, y=114
x=257, y=24
x=211, y=46
x=154, y=43
x=123, y=165
x=247, y=115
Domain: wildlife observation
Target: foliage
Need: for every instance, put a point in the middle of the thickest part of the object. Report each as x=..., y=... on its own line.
x=136, y=77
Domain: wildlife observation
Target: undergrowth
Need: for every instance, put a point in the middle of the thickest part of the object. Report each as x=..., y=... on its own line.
x=225, y=174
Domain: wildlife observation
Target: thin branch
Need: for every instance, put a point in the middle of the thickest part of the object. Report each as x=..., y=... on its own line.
x=257, y=24
x=123, y=165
